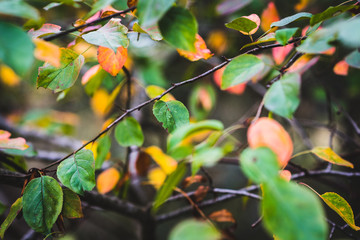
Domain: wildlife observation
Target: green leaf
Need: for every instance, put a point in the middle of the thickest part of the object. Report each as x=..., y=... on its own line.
x=330, y=12
x=17, y=53
x=179, y=28
x=327, y=154
x=42, y=203
x=292, y=212
x=173, y=114
x=174, y=140
x=266, y=39
x=346, y=33
x=194, y=230
x=317, y=42
x=170, y=183
x=112, y=35
x=153, y=31
x=341, y=207
x=102, y=150
x=241, y=69
x=282, y=97
x=151, y=11
x=290, y=19
x=242, y=24
x=128, y=133
x=202, y=100
x=353, y=59
x=59, y=79
x=72, y=205
x=18, y=8
x=207, y=157
x=77, y=172
x=283, y=35
x=14, y=211
x=260, y=164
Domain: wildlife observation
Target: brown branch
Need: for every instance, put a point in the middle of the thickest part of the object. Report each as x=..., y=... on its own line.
x=68, y=31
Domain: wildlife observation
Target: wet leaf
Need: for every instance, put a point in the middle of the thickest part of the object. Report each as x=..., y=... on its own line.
x=107, y=180
x=173, y=114
x=42, y=203
x=111, y=62
x=78, y=171
x=128, y=133
x=179, y=28
x=59, y=79
x=327, y=154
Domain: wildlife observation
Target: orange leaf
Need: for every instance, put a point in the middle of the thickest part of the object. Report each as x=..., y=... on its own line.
x=47, y=52
x=266, y=132
x=301, y=5
x=341, y=68
x=200, y=193
x=286, y=174
x=11, y=143
x=99, y=102
x=157, y=177
x=193, y=179
x=268, y=16
x=280, y=53
x=167, y=163
x=237, y=89
x=107, y=180
x=8, y=76
x=90, y=73
x=222, y=216
x=201, y=50
x=303, y=63
x=217, y=41
x=111, y=62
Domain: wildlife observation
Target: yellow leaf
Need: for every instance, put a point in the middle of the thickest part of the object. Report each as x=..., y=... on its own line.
x=85, y=49
x=167, y=163
x=327, y=154
x=92, y=146
x=8, y=76
x=153, y=91
x=99, y=102
x=157, y=177
x=107, y=180
x=47, y=52
x=113, y=96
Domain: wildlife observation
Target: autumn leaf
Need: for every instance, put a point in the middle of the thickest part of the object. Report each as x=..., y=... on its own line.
x=111, y=62
x=8, y=76
x=167, y=163
x=47, y=52
x=280, y=53
x=303, y=63
x=45, y=29
x=107, y=180
x=154, y=91
x=341, y=68
x=268, y=16
x=266, y=132
x=327, y=154
x=11, y=143
x=285, y=174
x=217, y=41
x=156, y=177
x=90, y=73
x=99, y=102
x=301, y=5
x=237, y=89
x=222, y=215
x=247, y=25
x=202, y=52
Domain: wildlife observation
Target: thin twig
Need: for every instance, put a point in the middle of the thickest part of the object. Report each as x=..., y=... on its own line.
x=66, y=32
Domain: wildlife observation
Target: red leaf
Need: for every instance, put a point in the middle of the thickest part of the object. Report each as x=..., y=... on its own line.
x=111, y=62
x=268, y=16
x=341, y=68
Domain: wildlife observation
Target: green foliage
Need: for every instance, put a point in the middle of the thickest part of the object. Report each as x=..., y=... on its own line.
x=42, y=203
x=20, y=45
x=151, y=11
x=102, y=150
x=241, y=69
x=173, y=114
x=193, y=230
x=78, y=171
x=72, y=205
x=168, y=187
x=283, y=35
x=64, y=77
x=14, y=211
x=242, y=24
x=128, y=133
x=329, y=13
x=179, y=28
x=18, y=8
x=353, y=59
x=282, y=97
x=296, y=17
x=112, y=35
